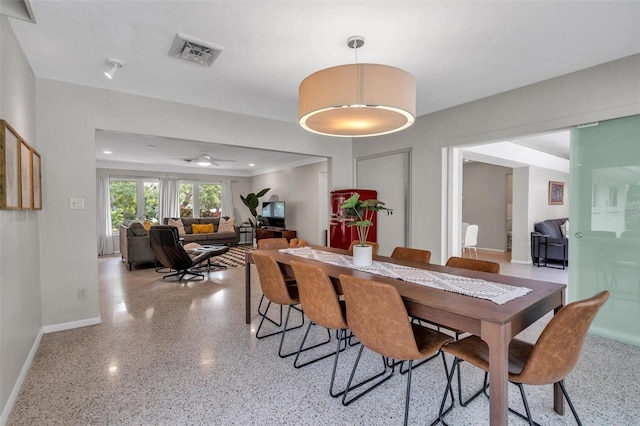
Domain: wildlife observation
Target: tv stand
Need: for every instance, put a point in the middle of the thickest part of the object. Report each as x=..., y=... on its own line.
x=262, y=233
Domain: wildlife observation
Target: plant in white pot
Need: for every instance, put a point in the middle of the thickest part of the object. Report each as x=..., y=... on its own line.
x=360, y=213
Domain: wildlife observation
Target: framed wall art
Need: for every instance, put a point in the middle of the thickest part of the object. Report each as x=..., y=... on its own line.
x=556, y=192
x=10, y=190
x=26, y=177
x=37, y=180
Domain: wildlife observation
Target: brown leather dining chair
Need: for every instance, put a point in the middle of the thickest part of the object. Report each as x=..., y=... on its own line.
x=274, y=244
x=415, y=255
x=321, y=305
x=474, y=264
x=277, y=291
x=374, y=246
x=378, y=318
x=548, y=361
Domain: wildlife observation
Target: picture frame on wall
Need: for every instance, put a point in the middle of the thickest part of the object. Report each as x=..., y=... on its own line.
x=9, y=167
x=36, y=166
x=556, y=192
x=26, y=177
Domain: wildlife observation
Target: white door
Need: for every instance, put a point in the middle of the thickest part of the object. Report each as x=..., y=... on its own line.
x=389, y=175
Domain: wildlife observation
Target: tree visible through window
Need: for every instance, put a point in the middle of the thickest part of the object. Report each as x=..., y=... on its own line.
x=123, y=202
x=133, y=200
x=203, y=198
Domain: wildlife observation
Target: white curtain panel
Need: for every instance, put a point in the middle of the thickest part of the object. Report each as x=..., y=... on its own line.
x=227, y=199
x=169, y=198
x=105, y=235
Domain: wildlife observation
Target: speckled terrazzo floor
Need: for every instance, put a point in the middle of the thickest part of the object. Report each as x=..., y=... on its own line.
x=174, y=354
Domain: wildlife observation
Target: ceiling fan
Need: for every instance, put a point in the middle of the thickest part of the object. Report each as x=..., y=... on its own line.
x=205, y=160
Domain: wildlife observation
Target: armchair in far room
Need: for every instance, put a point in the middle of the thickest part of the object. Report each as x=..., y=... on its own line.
x=549, y=242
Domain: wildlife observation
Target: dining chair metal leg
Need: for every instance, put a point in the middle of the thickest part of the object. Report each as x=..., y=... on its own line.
x=342, y=335
x=303, y=349
x=285, y=329
x=346, y=401
x=566, y=395
x=485, y=385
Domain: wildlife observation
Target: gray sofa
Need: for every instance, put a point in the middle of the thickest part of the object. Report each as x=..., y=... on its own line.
x=134, y=244
x=212, y=239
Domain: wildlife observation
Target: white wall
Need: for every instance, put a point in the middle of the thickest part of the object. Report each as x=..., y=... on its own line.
x=20, y=300
x=298, y=188
x=606, y=91
x=68, y=116
x=485, y=202
x=539, y=207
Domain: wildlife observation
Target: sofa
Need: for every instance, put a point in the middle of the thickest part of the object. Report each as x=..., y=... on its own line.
x=210, y=238
x=134, y=244
x=549, y=242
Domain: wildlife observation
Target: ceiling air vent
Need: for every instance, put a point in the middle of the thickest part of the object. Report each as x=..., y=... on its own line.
x=194, y=50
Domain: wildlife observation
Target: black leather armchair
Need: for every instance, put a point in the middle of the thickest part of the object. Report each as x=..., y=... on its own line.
x=165, y=243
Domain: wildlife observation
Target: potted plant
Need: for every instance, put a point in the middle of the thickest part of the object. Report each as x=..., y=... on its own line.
x=360, y=213
x=251, y=201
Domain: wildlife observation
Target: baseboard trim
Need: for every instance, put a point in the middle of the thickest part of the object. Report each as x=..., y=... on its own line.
x=490, y=249
x=20, y=381
x=71, y=325
x=522, y=262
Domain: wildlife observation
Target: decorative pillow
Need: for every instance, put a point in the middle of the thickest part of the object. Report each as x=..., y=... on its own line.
x=137, y=229
x=147, y=225
x=226, y=225
x=178, y=224
x=564, y=228
x=202, y=228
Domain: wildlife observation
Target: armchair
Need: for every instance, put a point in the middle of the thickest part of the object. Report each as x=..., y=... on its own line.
x=549, y=243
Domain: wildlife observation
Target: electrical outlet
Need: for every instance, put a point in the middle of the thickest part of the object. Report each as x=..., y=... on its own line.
x=76, y=203
x=82, y=293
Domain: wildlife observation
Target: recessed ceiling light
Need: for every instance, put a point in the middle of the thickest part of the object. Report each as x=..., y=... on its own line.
x=251, y=165
x=106, y=152
x=115, y=66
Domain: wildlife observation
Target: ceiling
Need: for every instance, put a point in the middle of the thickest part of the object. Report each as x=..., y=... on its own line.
x=457, y=51
x=151, y=153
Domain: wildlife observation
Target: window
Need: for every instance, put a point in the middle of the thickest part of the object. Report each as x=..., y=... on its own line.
x=133, y=199
x=203, y=198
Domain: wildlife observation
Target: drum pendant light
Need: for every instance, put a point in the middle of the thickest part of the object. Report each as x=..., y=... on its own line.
x=357, y=100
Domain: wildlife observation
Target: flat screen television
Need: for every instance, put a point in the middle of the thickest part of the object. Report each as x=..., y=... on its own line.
x=273, y=213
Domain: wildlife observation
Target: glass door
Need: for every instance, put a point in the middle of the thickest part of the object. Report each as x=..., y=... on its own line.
x=604, y=224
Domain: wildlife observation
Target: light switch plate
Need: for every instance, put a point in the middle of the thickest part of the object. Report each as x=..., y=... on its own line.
x=76, y=203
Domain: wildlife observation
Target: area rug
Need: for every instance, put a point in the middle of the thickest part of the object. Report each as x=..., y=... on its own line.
x=234, y=257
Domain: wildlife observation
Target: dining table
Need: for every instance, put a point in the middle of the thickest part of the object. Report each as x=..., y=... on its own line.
x=495, y=323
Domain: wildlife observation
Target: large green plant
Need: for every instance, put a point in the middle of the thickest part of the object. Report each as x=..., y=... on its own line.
x=251, y=201
x=360, y=213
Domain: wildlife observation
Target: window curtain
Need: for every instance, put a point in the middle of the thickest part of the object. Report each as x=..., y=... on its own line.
x=227, y=199
x=169, y=198
x=105, y=234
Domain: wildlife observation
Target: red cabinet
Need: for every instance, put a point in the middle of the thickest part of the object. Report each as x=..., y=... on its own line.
x=341, y=235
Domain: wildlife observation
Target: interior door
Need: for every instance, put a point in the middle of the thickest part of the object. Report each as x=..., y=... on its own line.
x=604, y=225
x=389, y=175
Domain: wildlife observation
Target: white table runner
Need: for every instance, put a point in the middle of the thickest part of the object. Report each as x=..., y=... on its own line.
x=496, y=292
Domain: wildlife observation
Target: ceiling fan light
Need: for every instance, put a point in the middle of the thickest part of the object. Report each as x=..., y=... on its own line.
x=203, y=161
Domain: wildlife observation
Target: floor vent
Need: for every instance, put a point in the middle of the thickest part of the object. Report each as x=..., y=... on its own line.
x=194, y=50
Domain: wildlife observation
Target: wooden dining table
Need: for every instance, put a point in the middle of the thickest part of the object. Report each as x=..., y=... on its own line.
x=495, y=324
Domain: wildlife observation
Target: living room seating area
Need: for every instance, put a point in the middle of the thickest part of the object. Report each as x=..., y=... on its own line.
x=134, y=237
